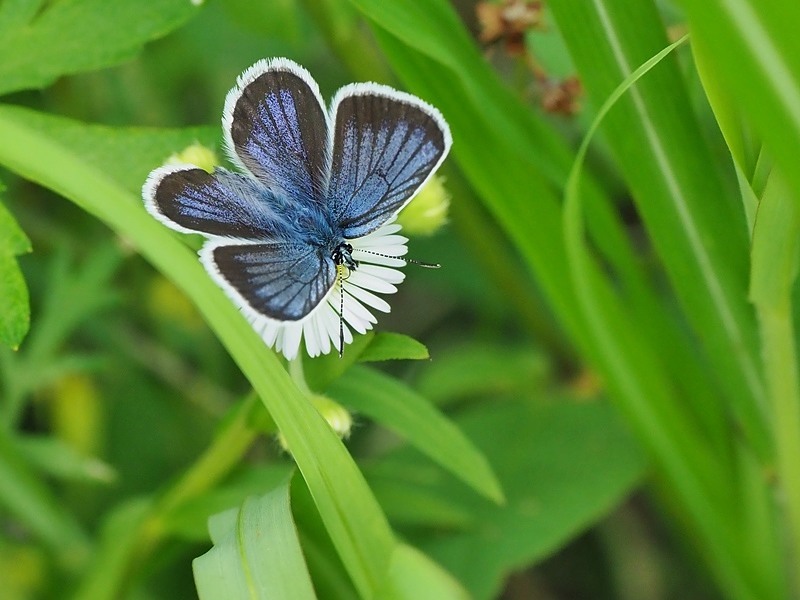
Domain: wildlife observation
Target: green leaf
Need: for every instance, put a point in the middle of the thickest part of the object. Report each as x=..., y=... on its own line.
x=126, y=154
x=14, y=307
x=350, y=512
x=411, y=574
x=744, y=148
x=61, y=460
x=71, y=36
x=483, y=370
x=569, y=464
x=15, y=313
x=189, y=520
x=408, y=414
x=133, y=530
x=414, y=576
x=754, y=48
x=775, y=257
x=693, y=471
x=13, y=240
x=409, y=504
x=327, y=570
x=656, y=141
x=776, y=245
x=17, y=13
x=393, y=346
x=256, y=553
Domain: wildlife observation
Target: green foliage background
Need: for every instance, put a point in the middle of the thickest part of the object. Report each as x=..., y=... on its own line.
x=610, y=408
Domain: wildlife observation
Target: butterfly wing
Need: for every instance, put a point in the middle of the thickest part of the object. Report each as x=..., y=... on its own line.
x=386, y=144
x=222, y=203
x=283, y=281
x=276, y=128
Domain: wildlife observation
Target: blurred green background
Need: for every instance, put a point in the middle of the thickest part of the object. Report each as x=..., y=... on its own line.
x=618, y=357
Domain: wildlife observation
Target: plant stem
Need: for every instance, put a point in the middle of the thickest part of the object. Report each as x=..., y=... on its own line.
x=780, y=362
x=775, y=255
x=299, y=377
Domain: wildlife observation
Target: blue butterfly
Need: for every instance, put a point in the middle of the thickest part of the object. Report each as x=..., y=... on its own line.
x=303, y=234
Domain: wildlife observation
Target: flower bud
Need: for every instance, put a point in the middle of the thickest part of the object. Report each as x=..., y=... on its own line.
x=427, y=212
x=334, y=413
x=197, y=155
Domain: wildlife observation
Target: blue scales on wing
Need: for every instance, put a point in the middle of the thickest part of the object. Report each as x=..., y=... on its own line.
x=279, y=132
x=283, y=281
x=222, y=204
x=384, y=149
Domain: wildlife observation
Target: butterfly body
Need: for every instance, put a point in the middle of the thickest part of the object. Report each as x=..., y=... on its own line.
x=310, y=224
x=317, y=193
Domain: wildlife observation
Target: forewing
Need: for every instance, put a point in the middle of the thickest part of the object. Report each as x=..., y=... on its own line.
x=386, y=145
x=282, y=281
x=221, y=204
x=276, y=128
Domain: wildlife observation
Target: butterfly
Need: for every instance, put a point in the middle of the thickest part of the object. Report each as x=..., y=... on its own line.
x=301, y=236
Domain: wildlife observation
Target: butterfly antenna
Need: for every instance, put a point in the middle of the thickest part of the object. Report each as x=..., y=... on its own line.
x=341, y=314
x=408, y=260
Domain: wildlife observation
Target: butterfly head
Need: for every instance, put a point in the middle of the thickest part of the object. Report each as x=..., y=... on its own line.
x=343, y=257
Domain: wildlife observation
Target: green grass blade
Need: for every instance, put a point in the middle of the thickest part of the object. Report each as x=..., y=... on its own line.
x=701, y=487
x=775, y=245
x=256, y=553
x=433, y=31
x=657, y=144
x=776, y=257
x=408, y=414
x=754, y=47
x=732, y=124
x=414, y=576
x=351, y=514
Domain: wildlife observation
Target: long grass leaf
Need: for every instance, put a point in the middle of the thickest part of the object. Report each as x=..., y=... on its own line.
x=756, y=51
x=712, y=518
x=656, y=142
x=407, y=413
x=776, y=258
